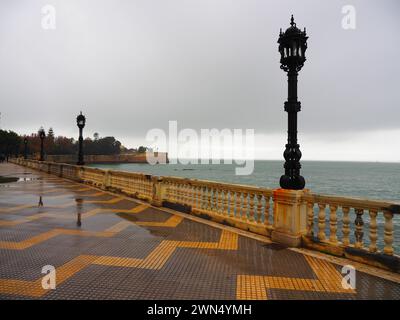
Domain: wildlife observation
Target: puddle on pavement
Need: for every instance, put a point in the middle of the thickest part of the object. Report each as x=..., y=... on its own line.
x=8, y=179
x=16, y=177
x=24, y=179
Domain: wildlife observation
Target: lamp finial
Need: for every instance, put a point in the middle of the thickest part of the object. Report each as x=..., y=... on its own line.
x=292, y=23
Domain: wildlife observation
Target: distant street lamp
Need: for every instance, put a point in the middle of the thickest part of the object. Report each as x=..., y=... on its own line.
x=25, y=148
x=292, y=47
x=42, y=135
x=80, y=121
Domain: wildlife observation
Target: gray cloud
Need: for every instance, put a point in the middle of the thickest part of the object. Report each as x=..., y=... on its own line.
x=134, y=65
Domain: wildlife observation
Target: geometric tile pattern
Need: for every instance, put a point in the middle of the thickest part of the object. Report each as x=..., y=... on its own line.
x=107, y=247
x=256, y=287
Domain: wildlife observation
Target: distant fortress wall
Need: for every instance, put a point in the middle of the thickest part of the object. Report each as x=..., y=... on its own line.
x=112, y=158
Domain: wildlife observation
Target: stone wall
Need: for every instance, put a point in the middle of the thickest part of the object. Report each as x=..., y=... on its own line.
x=118, y=158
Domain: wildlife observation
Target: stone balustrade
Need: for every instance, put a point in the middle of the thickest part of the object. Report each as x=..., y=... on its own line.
x=359, y=229
x=245, y=207
x=351, y=227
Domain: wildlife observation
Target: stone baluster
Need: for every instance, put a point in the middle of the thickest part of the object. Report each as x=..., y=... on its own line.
x=200, y=197
x=358, y=232
x=310, y=219
x=321, y=221
x=232, y=202
x=259, y=207
x=388, y=234
x=191, y=195
x=173, y=192
x=245, y=206
x=251, y=208
x=267, y=210
x=167, y=191
x=140, y=184
x=203, y=197
x=143, y=185
x=170, y=192
x=137, y=182
x=216, y=206
x=185, y=193
x=146, y=187
x=130, y=187
x=133, y=185
x=181, y=190
x=217, y=200
x=225, y=202
x=219, y=206
x=136, y=185
x=346, y=226
x=373, y=228
x=238, y=209
x=176, y=192
x=213, y=199
x=193, y=190
x=333, y=224
x=180, y=193
x=209, y=195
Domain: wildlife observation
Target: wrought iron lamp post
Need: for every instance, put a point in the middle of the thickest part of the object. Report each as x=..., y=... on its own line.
x=292, y=47
x=42, y=135
x=80, y=121
x=25, y=148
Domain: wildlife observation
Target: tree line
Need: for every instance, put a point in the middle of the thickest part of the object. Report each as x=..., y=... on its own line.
x=12, y=144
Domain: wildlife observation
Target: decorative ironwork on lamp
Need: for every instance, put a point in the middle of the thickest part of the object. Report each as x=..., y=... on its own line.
x=292, y=47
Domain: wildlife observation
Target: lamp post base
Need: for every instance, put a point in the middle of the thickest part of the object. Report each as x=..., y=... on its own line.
x=292, y=183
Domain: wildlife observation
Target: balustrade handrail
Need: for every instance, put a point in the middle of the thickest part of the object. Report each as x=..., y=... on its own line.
x=218, y=185
x=129, y=174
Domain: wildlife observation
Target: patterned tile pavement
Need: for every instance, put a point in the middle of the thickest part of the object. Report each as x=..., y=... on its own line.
x=105, y=246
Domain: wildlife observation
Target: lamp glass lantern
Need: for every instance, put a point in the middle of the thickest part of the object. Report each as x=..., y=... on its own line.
x=80, y=121
x=42, y=133
x=292, y=47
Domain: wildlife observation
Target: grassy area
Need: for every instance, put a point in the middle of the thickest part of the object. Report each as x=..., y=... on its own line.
x=8, y=179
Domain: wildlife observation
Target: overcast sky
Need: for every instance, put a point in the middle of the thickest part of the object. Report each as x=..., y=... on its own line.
x=132, y=65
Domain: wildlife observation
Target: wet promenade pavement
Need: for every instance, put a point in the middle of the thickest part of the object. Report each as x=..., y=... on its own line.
x=106, y=246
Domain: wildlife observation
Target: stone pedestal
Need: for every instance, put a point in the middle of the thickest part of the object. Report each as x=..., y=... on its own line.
x=290, y=217
x=107, y=180
x=158, y=192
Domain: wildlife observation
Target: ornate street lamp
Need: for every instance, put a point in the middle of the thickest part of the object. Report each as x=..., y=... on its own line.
x=42, y=135
x=292, y=47
x=25, y=148
x=80, y=121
